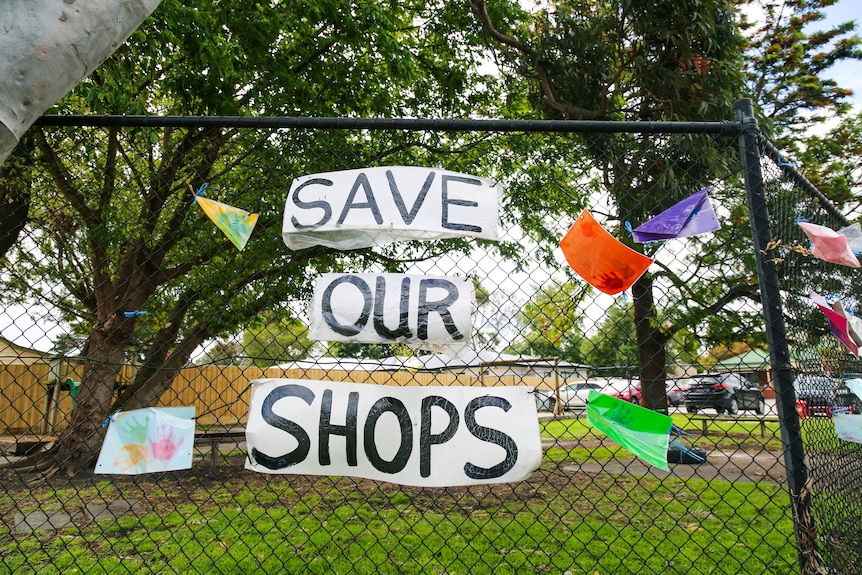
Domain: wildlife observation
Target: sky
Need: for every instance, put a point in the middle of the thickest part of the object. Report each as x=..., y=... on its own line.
x=846, y=74
x=16, y=323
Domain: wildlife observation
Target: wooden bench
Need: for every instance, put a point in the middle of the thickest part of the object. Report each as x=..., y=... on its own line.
x=216, y=436
x=705, y=420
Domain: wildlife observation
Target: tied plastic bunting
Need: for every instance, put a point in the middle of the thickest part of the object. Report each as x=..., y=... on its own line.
x=602, y=260
x=148, y=440
x=855, y=386
x=235, y=223
x=848, y=426
x=843, y=325
x=829, y=245
x=690, y=217
x=853, y=234
x=644, y=432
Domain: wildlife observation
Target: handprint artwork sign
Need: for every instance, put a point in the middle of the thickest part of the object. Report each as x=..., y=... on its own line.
x=148, y=440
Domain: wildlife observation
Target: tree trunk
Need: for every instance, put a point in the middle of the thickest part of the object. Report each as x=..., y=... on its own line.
x=152, y=380
x=78, y=445
x=14, y=199
x=54, y=46
x=652, y=355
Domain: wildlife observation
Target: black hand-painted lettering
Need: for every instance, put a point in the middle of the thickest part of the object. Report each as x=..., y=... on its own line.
x=269, y=416
x=426, y=438
x=406, y=216
x=329, y=316
x=445, y=179
x=403, y=330
x=327, y=428
x=489, y=435
x=317, y=204
x=381, y=406
x=441, y=307
x=370, y=203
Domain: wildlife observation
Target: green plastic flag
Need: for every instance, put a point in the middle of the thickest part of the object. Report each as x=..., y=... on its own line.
x=644, y=432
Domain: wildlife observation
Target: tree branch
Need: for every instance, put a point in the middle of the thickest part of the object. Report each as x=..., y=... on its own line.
x=480, y=8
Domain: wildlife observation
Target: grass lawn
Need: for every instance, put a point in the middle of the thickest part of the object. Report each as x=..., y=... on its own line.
x=605, y=525
x=722, y=434
x=556, y=522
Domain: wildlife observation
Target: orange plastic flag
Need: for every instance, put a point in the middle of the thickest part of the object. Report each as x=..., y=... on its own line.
x=603, y=261
x=236, y=224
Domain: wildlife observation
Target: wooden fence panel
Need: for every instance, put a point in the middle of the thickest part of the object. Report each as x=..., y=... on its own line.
x=23, y=397
x=220, y=394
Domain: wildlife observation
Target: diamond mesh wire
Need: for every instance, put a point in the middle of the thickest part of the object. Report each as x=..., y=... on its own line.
x=112, y=229
x=821, y=364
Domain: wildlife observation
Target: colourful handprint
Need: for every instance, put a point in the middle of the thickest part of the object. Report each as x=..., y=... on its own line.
x=164, y=447
x=135, y=454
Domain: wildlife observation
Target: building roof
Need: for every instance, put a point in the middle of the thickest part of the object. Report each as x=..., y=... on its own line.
x=12, y=353
x=753, y=360
x=432, y=362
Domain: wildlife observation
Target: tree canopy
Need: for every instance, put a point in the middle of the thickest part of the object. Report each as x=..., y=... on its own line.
x=689, y=60
x=140, y=270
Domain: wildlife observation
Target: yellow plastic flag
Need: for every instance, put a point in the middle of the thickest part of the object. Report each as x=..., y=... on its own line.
x=236, y=224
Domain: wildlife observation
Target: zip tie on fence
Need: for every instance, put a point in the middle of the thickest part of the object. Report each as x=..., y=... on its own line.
x=682, y=448
x=800, y=218
x=135, y=313
x=784, y=164
x=110, y=418
x=657, y=243
x=200, y=191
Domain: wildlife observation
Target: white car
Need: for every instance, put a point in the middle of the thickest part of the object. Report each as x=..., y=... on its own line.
x=575, y=394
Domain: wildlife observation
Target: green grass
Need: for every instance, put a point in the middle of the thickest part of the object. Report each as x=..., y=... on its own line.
x=606, y=526
x=557, y=522
x=722, y=434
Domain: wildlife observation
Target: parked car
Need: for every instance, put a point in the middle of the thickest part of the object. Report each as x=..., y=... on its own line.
x=722, y=392
x=821, y=390
x=675, y=390
x=575, y=394
x=633, y=393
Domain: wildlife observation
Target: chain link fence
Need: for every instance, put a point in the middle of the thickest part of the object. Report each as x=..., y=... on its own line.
x=120, y=293
x=823, y=358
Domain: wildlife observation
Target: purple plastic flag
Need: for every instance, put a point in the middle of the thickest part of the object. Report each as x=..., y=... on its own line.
x=690, y=217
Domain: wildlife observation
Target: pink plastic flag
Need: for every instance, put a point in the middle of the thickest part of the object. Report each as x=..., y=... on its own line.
x=235, y=223
x=829, y=245
x=602, y=260
x=838, y=324
x=690, y=217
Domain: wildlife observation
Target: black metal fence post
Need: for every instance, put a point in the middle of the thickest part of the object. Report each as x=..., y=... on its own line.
x=779, y=350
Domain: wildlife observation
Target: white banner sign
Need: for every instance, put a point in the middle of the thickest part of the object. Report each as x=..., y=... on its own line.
x=391, y=308
x=424, y=436
x=355, y=209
